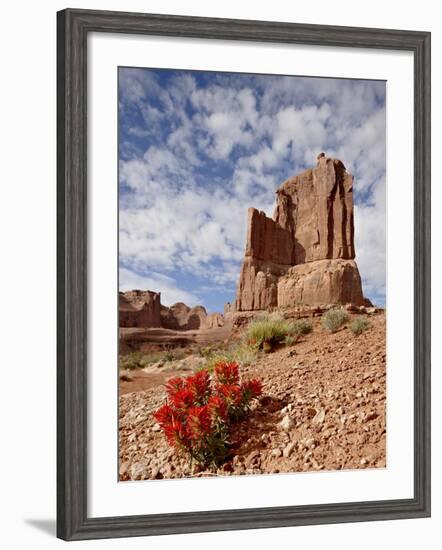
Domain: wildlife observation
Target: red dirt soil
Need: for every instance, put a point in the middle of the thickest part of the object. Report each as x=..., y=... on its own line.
x=328, y=389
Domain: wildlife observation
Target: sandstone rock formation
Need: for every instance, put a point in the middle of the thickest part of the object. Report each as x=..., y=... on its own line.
x=139, y=308
x=305, y=254
x=321, y=282
x=143, y=309
x=182, y=317
x=214, y=320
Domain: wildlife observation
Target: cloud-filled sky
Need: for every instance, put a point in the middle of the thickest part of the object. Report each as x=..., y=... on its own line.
x=197, y=149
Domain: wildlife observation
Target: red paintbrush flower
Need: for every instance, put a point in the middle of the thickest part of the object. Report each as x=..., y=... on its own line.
x=199, y=422
x=199, y=410
x=199, y=384
x=177, y=434
x=231, y=393
x=251, y=389
x=182, y=399
x=175, y=384
x=227, y=373
x=164, y=415
x=218, y=408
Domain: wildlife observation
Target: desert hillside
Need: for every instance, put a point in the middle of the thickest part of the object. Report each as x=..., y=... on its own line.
x=322, y=405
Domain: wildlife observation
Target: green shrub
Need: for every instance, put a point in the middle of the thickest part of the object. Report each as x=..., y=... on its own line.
x=268, y=329
x=211, y=349
x=334, y=319
x=134, y=360
x=299, y=327
x=174, y=355
x=289, y=340
x=216, y=358
x=243, y=354
x=359, y=325
x=139, y=360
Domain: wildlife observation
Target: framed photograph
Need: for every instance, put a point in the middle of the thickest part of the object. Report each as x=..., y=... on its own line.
x=243, y=274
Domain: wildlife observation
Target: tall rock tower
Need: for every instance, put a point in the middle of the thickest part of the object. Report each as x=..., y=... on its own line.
x=304, y=255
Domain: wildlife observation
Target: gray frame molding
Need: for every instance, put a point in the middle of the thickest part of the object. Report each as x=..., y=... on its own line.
x=72, y=28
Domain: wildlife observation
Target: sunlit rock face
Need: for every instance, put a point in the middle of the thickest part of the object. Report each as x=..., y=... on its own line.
x=304, y=255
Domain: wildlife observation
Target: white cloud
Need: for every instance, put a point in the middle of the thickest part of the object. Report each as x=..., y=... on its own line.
x=370, y=242
x=188, y=229
x=170, y=291
x=215, y=149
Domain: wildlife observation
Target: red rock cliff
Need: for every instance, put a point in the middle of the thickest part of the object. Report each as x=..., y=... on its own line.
x=139, y=308
x=312, y=222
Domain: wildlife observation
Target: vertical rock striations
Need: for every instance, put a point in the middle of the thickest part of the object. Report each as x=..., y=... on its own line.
x=305, y=254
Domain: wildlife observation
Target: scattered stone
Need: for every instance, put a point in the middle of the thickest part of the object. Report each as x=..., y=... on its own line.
x=308, y=442
x=137, y=470
x=319, y=417
x=286, y=409
x=288, y=449
x=124, y=466
x=286, y=423
x=252, y=458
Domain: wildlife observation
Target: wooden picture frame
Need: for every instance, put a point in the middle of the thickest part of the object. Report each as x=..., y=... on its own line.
x=73, y=28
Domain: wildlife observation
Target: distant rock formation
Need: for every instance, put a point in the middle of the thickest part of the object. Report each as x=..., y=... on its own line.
x=143, y=309
x=182, y=317
x=305, y=254
x=139, y=308
x=214, y=320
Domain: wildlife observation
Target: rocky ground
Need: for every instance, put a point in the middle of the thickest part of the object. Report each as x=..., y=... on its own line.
x=322, y=408
x=142, y=339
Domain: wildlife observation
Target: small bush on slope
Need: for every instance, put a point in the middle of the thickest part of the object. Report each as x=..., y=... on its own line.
x=299, y=327
x=359, y=325
x=334, y=319
x=289, y=340
x=243, y=354
x=266, y=330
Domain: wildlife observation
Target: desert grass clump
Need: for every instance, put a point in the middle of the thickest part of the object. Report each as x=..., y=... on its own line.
x=218, y=356
x=242, y=353
x=176, y=354
x=134, y=360
x=211, y=349
x=140, y=360
x=267, y=330
x=300, y=327
x=290, y=340
x=359, y=325
x=334, y=319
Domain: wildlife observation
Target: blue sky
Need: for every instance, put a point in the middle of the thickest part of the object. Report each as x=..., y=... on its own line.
x=197, y=149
